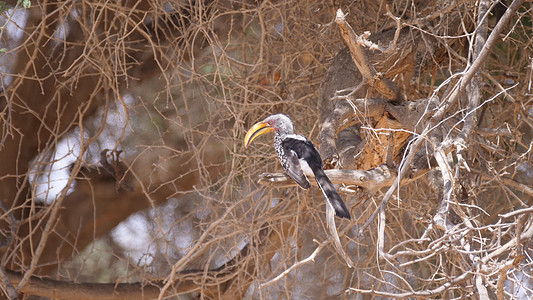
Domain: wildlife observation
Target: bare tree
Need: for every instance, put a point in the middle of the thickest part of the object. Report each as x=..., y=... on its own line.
x=123, y=173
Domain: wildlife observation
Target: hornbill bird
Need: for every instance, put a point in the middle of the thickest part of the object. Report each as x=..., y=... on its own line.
x=299, y=157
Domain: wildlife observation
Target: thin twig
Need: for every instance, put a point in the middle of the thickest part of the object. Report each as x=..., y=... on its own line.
x=310, y=258
x=425, y=293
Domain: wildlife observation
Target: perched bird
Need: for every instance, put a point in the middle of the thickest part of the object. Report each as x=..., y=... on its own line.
x=299, y=157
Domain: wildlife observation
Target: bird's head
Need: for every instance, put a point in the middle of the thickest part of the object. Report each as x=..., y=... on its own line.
x=278, y=123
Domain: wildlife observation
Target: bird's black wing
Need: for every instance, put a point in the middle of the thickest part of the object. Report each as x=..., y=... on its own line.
x=291, y=163
x=293, y=169
x=304, y=150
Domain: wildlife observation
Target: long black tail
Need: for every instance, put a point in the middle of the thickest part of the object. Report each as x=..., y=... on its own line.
x=331, y=194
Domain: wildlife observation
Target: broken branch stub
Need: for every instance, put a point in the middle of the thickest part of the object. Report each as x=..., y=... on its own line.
x=384, y=86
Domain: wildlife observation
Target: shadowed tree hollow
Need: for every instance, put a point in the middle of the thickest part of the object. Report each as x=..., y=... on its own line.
x=123, y=173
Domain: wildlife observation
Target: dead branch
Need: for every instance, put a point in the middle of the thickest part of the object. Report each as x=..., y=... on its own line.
x=383, y=85
x=371, y=180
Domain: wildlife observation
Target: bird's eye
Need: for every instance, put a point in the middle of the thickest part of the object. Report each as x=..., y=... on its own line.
x=270, y=122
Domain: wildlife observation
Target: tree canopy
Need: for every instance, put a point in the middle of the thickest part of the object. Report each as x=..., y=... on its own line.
x=123, y=173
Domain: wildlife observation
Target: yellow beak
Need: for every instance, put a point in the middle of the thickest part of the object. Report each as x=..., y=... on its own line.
x=256, y=130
